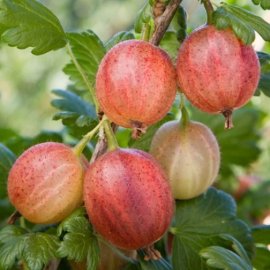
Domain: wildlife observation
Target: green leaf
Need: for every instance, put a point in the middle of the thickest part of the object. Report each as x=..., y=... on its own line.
x=261, y=261
x=256, y=201
x=237, y=247
x=5, y=211
x=263, y=57
x=244, y=136
x=39, y=250
x=256, y=22
x=7, y=158
x=86, y=50
x=75, y=113
x=179, y=23
x=144, y=141
x=10, y=233
x=19, y=144
x=222, y=258
x=75, y=243
x=170, y=44
x=72, y=105
x=200, y=223
x=7, y=134
x=27, y=23
x=11, y=245
x=79, y=241
x=224, y=19
x=118, y=37
x=144, y=16
x=36, y=249
x=256, y=2
x=261, y=234
x=66, y=224
x=265, y=4
x=93, y=254
x=264, y=84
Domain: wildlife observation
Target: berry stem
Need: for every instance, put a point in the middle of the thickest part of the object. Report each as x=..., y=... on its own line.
x=79, y=147
x=112, y=142
x=209, y=10
x=22, y=222
x=146, y=32
x=184, y=113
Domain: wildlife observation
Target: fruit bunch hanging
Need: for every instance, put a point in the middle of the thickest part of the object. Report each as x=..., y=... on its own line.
x=136, y=200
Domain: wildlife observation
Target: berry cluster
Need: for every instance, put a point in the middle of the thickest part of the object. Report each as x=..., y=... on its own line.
x=128, y=193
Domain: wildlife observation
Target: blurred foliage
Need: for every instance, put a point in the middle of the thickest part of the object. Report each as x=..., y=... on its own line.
x=207, y=225
x=7, y=159
x=198, y=224
x=26, y=80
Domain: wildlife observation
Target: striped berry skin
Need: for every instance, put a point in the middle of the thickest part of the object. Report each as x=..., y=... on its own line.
x=128, y=198
x=216, y=71
x=45, y=183
x=136, y=84
x=189, y=155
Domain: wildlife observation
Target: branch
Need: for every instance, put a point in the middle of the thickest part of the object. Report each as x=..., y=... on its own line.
x=162, y=21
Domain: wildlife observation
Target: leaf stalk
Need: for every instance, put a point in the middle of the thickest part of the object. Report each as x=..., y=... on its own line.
x=84, y=76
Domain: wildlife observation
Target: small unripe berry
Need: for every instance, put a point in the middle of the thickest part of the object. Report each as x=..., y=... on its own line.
x=136, y=84
x=128, y=198
x=189, y=156
x=45, y=183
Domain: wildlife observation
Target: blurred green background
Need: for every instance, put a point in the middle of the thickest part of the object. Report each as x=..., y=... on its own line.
x=26, y=80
